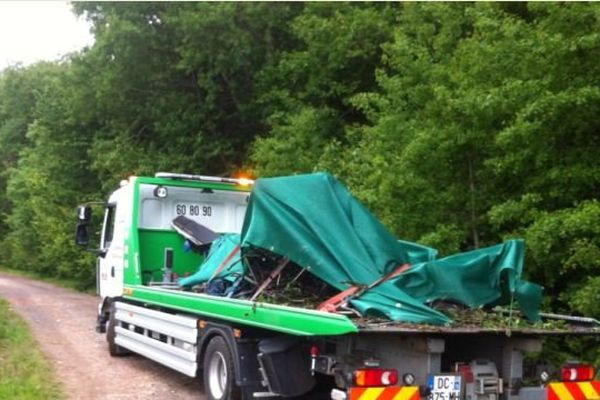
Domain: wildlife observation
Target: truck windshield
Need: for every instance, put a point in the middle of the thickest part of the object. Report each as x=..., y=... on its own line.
x=109, y=226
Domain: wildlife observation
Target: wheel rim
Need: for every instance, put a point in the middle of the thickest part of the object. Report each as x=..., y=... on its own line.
x=217, y=375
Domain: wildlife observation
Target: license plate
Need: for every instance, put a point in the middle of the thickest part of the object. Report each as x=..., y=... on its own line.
x=445, y=387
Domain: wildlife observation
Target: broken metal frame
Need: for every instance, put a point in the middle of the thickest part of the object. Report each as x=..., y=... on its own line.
x=274, y=274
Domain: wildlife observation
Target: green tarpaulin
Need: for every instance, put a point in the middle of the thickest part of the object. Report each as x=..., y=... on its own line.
x=314, y=221
x=222, y=255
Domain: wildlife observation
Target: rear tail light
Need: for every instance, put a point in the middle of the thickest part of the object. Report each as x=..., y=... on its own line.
x=577, y=372
x=375, y=377
x=466, y=372
x=314, y=350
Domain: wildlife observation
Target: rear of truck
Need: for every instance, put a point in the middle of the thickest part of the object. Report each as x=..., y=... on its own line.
x=473, y=365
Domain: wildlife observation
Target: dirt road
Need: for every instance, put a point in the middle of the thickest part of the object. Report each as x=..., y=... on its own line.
x=63, y=322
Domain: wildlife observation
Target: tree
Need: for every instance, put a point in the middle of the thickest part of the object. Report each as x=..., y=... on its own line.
x=337, y=48
x=51, y=176
x=19, y=93
x=175, y=83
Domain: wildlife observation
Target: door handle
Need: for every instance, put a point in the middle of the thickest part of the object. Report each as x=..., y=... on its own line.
x=112, y=272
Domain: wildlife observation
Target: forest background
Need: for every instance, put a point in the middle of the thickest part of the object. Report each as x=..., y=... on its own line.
x=459, y=125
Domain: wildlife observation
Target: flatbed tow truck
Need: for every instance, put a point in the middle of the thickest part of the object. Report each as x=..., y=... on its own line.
x=242, y=344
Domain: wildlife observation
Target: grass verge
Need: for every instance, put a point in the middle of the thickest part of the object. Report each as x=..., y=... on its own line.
x=24, y=372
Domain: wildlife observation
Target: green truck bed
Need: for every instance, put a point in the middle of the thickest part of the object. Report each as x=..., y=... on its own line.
x=306, y=322
x=291, y=320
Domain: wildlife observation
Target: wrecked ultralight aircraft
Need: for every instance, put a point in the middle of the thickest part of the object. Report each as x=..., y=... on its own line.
x=315, y=222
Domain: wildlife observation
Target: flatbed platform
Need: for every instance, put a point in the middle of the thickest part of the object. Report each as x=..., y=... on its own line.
x=308, y=322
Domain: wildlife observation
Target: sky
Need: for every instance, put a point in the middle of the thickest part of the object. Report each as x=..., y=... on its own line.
x=32, y=31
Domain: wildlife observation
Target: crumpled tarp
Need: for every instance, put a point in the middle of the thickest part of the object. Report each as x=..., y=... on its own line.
x=314, y=221
x=220, y=249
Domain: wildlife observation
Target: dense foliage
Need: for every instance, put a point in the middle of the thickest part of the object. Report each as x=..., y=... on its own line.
x=459, y=125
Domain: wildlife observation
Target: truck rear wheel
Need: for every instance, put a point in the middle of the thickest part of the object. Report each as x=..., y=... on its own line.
x=219, y=373
x=113, y=348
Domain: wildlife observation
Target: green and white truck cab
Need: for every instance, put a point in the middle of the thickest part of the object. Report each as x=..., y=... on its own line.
x=138, y=245
x=138, y=241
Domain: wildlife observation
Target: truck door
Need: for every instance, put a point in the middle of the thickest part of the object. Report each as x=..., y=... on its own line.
x=110, y=262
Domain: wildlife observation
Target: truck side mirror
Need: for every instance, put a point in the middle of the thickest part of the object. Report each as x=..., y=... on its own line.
x=82, y=236
x=84, y=214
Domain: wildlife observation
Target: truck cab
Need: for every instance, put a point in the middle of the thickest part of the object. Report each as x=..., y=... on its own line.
x=138, y=243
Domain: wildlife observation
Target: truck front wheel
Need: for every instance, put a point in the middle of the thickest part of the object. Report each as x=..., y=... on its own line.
x=219, y=374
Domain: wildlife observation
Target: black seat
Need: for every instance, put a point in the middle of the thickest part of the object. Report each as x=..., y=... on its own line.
x=197, y=234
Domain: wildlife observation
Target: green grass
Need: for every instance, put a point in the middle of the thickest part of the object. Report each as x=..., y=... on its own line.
x=24, y=372
x=62, y=282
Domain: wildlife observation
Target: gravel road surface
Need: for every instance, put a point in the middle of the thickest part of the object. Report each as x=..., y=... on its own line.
x=63, y=322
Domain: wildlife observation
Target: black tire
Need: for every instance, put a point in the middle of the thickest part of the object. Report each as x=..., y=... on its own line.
x=101, y=321
x=219, y=372
x=113, y=349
